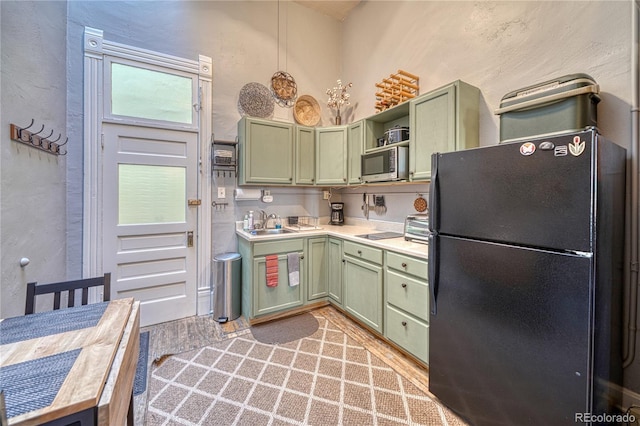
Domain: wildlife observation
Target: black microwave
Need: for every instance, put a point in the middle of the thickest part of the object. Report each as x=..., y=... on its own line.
x=389, y=164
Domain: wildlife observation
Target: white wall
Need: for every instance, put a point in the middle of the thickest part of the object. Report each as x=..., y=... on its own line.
x=32, y=182
x=242, y=38
x=496, y=46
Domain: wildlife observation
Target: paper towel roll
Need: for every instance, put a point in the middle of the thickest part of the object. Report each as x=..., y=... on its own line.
x=247, y=194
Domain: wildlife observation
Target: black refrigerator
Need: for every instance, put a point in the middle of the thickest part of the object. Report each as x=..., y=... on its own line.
x=525, y=273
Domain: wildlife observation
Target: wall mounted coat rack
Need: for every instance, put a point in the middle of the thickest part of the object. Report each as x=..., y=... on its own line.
x=37, y=140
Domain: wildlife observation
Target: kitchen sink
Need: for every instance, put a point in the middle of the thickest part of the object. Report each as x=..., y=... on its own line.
x=271, y=231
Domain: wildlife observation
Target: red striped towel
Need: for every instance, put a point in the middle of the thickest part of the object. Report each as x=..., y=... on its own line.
x=272, y=270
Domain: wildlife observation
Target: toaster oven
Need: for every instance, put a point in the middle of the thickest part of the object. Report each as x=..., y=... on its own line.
x=416, y=228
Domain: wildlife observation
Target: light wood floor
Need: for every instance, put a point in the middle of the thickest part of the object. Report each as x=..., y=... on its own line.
x=195, y=332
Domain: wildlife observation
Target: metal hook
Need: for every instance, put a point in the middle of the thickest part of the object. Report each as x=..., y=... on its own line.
x=19, y=132
x=49, y=135
x=59, y=136
x=35, y=133
x=65, y=142
x=32, y=121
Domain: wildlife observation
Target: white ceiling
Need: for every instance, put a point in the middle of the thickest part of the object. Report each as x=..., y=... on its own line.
x=338, y=9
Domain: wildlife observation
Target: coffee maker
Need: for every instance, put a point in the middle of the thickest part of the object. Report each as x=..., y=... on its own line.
x=337, y=214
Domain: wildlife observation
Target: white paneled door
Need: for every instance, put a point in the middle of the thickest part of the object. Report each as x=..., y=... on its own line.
x=149, y=227
x=147, y=126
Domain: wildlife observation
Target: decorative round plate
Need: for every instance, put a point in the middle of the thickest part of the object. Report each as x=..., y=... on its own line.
x=284, y=88
x=420, y=204
x=255, y=101
x=306, y=111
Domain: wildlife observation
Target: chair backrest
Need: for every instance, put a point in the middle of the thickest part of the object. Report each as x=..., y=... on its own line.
x=33, y=289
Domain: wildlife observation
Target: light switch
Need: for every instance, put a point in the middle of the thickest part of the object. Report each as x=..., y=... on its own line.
x=221, y=192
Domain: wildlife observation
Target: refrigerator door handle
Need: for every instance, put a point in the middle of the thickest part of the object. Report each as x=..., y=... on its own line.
x=433, y=268
x=434, y=222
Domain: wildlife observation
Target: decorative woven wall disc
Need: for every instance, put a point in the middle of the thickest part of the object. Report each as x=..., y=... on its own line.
x=307, y=111
x=255, y=101
x=284, y=89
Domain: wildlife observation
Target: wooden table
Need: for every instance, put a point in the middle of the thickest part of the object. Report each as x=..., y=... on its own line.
x=98, y=386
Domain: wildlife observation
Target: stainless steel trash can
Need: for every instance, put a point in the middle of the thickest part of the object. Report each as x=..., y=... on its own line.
x=226, y=286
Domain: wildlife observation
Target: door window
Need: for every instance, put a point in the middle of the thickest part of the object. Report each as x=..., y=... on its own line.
x=150, y=94
x=151, y=194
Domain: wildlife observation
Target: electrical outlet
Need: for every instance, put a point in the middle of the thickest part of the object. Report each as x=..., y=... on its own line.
x=326, y=195
x=221, y=192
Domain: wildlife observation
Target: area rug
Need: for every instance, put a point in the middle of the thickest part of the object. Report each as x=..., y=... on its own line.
x=285, y=330
x=140, y=380
x=327, y=378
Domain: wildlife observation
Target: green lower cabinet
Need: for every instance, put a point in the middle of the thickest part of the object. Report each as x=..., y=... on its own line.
x=363, y=291
x=283, y=296
x=406, y=321
x=408, y=332
x=334, y=270
x=259, y=299
x=317, y=263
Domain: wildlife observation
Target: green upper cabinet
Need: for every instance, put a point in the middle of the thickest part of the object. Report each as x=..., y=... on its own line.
x=279, y=153
x=331, y=155
x=443, y=120
x=355, y=146
x=305, y=142
x=266, y=152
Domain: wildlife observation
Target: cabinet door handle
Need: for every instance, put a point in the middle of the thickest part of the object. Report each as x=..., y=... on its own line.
x=404, y=265
x=404, y=285
x=404, y=323
x=360, y=252
x=302, y=257
x=344, y=261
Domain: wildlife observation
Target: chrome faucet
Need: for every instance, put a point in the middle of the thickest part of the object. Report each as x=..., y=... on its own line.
x=264, y=218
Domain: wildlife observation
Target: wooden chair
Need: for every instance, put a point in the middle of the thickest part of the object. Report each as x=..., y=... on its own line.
x=33, y=290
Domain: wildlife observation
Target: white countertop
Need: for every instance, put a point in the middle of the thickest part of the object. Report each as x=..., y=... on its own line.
x=346, y=232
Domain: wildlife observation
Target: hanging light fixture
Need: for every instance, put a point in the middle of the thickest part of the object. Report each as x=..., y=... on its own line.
x=283, y=85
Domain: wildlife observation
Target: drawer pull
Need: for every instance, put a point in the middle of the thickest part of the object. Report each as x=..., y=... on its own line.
x=404, y=285
x=360, y=252
x=302, y=257
x=404, y=323
x=404, y=265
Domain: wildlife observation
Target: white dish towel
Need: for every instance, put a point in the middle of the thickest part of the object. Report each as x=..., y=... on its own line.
x=293, y=265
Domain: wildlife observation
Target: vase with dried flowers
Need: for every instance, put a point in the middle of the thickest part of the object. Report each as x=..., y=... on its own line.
x=338, y=97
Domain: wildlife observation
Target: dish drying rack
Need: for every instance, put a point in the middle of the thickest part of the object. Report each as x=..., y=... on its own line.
x=303, y=222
